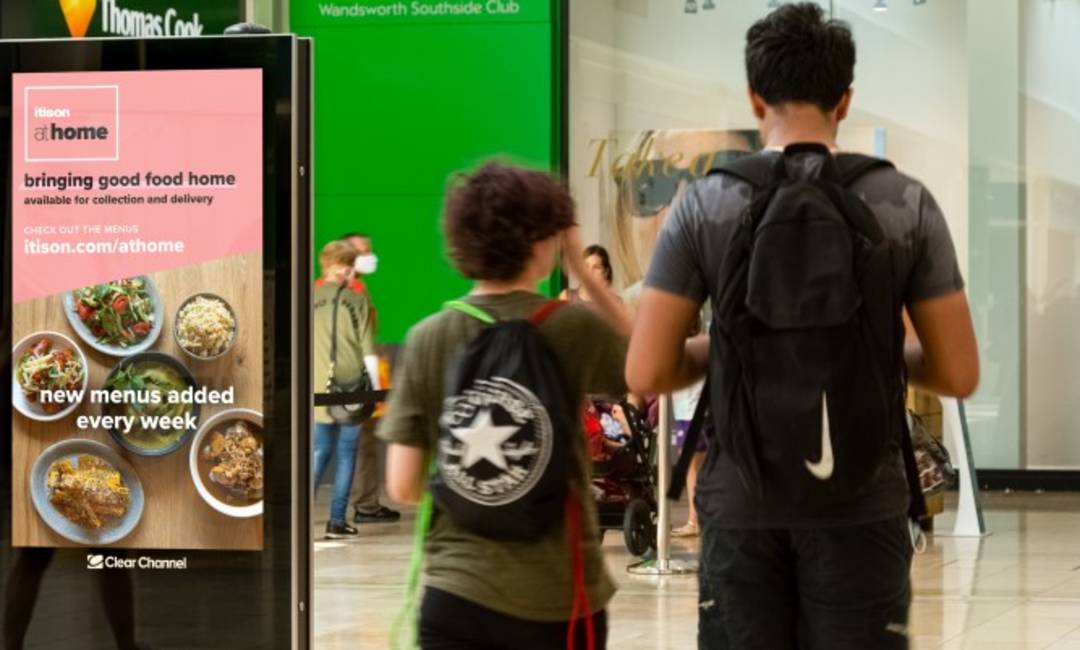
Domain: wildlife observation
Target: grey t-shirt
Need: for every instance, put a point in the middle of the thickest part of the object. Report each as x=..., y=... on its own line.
x=687, y=263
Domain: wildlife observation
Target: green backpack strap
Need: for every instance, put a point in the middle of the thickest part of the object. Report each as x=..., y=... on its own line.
x=408, y=618
x=471, y=310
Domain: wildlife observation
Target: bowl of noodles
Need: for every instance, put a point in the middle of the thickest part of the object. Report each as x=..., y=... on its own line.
x=205, y=327
x=49, y=376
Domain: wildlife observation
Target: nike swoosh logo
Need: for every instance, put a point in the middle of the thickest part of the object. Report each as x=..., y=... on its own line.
x=823, y=469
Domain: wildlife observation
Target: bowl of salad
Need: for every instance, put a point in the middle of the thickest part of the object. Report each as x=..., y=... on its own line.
x=49, y=376
x=118, y=318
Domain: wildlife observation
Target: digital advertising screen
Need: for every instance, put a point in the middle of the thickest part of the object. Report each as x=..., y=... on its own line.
x=138, y=417
x=154, y=267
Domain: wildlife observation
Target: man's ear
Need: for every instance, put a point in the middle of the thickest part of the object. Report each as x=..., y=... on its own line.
x=841, y=110
x=757, y=104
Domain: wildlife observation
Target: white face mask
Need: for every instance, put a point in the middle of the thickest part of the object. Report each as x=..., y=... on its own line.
x=366, y=264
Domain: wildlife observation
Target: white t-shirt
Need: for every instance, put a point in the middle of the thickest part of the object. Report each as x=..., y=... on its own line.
x=683, y=402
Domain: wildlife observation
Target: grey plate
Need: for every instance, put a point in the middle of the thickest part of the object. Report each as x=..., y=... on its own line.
x=39, y=493
x=114, y=350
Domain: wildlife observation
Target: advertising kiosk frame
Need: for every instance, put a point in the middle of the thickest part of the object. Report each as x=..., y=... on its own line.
x=219, y=599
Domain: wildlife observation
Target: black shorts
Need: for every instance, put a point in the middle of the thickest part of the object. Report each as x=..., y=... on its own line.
x=448, y=622
x=845, y=588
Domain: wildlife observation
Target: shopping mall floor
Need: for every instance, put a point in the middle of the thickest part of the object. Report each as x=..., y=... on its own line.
x=1017, y=589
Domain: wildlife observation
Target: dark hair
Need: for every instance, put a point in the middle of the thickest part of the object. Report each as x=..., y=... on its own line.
x=605, y=260
x=495, y=215
x=795, y=55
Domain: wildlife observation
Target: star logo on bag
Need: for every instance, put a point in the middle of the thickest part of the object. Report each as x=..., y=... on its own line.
x=497, y=441
x=483, y=441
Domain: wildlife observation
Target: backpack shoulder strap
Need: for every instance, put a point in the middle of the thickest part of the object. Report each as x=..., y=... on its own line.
x=853, y=166
x=759, y=170
x=470, y=310
x=693, y=433
x=542, y=313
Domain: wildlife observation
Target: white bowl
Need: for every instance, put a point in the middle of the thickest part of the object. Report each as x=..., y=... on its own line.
x=18, y=399
x=235, y=332
x=248, y=415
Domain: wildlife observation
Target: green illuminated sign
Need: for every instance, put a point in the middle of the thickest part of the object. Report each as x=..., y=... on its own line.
x=389, y=11
x=407, y=94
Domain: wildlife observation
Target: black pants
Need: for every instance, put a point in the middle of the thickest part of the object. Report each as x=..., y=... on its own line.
x=451, y=623
x=115, y=591
x=842, y=588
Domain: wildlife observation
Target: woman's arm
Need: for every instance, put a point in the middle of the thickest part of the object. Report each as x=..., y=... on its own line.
x=366, y=336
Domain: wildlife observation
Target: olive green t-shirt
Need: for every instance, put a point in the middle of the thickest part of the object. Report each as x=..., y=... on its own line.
x=527, y=580
x=355, y=337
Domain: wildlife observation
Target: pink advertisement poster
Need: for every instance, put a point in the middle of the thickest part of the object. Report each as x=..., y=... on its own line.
x=138, y=309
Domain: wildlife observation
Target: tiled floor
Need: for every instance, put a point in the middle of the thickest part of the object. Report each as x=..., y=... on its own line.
x=1018, y=589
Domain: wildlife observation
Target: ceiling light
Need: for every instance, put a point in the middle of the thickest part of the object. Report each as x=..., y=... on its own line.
x=881, y=5
x=708, y=4
x=691, y=7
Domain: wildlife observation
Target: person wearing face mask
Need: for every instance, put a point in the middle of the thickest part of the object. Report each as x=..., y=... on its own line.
x=342, y=329
x=366, y=508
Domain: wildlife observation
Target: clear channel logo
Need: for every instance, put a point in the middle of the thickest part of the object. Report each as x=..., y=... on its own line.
x=96, y=562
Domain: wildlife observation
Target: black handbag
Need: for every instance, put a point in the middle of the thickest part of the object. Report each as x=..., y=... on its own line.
x=351, y=414
x=936, y=471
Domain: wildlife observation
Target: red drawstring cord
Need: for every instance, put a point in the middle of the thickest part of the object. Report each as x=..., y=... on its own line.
x=581, y=596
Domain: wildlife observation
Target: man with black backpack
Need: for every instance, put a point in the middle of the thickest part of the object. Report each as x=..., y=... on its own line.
x=484, y=427
x=810, y=258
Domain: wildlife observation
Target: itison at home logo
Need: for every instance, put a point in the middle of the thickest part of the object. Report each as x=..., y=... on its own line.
x=145, y=563
x=71, y=123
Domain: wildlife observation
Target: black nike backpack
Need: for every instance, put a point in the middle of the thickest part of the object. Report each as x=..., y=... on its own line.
x=502, y=465
x=807, y=378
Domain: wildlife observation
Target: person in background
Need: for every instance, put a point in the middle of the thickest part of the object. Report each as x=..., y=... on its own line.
x=773, y=573
x=504, y=227
x=597, y=263
x=684, y=402
x=366, y=507
x=355, y=341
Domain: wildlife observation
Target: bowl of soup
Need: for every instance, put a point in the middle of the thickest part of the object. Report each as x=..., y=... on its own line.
x=150, y=401
x=226, y=462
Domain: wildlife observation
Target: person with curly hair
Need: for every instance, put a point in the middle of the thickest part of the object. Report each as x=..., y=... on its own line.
x=504, y=230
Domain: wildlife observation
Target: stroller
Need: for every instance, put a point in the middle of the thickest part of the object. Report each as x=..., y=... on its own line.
x=624, y=480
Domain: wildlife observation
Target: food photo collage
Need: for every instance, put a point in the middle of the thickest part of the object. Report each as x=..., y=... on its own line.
x=138, y=412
